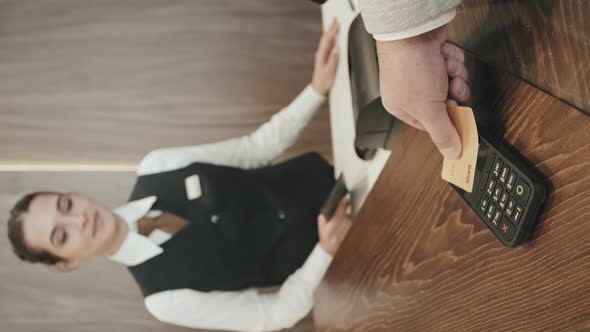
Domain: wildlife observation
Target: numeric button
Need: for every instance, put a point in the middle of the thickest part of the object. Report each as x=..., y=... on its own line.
x=503, y=200
x=497, y=168
x=497, y=192
x=497, y=218
x=504, y=174
x=490, y=213
x=511, y=180
x=483, y=205
x=510, y=207
x=490, y=186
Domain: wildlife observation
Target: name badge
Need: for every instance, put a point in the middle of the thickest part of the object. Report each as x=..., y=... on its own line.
x=193, y=187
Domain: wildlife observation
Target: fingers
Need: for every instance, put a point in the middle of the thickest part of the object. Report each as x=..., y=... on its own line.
x=340, y=212
x=333, y=58
x=451, y=51
x=339, y=227
x=331, y=52
x=456, y=69
x=455, y=62
x=332, y=233
x=327, y=42
x=322, y=222
x=343, y=228
x=459, y=90
x=442, y=132
x=346, y=228
x=334, y=27
x=340, y=215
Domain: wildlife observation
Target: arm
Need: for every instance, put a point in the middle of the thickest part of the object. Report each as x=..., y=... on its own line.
x=419, y=73
x=248, y=310
x=271, y=139
x=254, y=150
x=244, y=310
x=400, y=19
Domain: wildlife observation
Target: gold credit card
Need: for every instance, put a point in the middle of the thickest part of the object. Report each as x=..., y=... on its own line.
x=461, y=172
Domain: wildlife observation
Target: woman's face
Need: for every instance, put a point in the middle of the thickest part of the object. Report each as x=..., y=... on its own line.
x=73, y=227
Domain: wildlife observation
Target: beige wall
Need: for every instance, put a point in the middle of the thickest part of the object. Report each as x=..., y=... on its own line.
x=109, y=80
x=105, y=81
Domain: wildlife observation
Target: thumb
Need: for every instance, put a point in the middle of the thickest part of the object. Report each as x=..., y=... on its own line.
x=437, y=123
x=322, y=221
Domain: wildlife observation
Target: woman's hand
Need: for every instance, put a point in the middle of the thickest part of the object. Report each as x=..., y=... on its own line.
x=333, y=232
x=326, y=61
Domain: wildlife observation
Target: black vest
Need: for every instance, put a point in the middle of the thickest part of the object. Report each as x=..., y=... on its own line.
x=250, y=228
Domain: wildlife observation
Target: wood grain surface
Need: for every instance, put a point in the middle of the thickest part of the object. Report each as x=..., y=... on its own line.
x=106, y=81
x=545, y=42
x=419, y=259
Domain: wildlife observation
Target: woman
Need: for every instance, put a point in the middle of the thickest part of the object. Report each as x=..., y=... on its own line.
x=207, y=224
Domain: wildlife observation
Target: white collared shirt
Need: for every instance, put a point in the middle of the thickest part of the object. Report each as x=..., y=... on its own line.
x=245, y=310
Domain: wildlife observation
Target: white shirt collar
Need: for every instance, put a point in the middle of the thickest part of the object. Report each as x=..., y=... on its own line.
x=136, y=248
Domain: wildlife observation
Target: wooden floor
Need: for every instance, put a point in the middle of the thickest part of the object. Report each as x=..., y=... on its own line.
x=419, y=259
x=105, y=81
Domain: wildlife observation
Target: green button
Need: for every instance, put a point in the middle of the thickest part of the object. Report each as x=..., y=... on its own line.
x=521, y=191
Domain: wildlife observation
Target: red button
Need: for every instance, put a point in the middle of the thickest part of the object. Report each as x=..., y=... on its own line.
x=507, y=229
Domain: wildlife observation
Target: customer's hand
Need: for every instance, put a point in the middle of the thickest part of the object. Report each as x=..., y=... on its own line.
x=419, y=77
x=326, y=61
x=333, y=232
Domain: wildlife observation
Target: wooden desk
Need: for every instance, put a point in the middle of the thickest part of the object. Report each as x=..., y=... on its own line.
x=419, y=259
x=545, y=42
